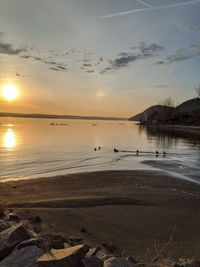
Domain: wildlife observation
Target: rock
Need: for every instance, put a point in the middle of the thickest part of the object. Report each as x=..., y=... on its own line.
x=3, y=225
x=54, y=241
x=35, y=219
x=75, y=240
x=92, y=262
x=92, y=251
x=25, y=257
x=58, y=242
x=11, y=237
x=117, y=262
x=11, y=217
x=112, y=248
x=70, y=257
x=132, y=260
x=38, y=242
x=187, y=263
x=67, y=245
x=103, y=254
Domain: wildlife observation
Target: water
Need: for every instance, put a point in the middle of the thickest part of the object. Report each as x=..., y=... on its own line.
x=31, y=148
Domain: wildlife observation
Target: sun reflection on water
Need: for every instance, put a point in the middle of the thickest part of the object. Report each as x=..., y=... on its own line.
x=9, y=139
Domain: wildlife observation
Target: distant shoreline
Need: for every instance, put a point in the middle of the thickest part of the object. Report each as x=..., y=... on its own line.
x=53, y=116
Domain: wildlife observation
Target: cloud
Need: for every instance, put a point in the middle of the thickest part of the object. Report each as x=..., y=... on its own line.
x=181, y=55
x=123, y=60
x=148, y=50
x=25, y=56
x=192, y=28
x=189, y=28
x=8, y=49
x=87, y=65
x=50, y=62
x=143, y=51
x=90, y=71
x=61, y=67
x=58, y=68
x=106, y=70
x=47, y=60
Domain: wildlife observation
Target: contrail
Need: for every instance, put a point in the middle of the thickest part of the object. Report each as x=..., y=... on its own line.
x=180, y=4
x=147, y=9
x=124, y=13
x=141, y=2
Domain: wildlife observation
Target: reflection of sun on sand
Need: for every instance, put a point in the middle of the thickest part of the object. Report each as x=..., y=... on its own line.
x=9, y=139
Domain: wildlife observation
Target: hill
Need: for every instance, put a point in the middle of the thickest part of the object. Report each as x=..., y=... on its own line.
x=150, y=112
x=187, y=113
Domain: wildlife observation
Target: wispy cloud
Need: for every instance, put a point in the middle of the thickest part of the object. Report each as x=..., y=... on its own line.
x=58, y=68
x=149, y=8
x=142, y=52
x=8, y=49
x=181, y=55
x=190, y=28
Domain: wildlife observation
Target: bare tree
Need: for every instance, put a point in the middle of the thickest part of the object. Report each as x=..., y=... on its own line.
x=197, y=89
x=167, y=102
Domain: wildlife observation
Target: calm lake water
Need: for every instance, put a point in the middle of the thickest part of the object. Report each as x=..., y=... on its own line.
x=31, y=148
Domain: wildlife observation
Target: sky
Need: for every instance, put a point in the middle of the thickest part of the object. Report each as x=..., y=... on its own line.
x=98, y=57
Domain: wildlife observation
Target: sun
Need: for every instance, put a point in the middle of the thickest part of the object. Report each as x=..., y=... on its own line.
x=10, y=92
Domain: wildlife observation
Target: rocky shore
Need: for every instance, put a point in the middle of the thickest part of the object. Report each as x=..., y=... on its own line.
x=109, y=219
x=23, y=243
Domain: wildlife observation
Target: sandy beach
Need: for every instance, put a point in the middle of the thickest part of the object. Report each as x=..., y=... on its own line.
x=133, y=209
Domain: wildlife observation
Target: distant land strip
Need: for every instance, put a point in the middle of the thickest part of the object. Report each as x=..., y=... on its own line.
x=53, y=116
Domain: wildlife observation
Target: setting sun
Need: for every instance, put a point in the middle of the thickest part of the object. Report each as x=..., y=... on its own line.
x=10, y=92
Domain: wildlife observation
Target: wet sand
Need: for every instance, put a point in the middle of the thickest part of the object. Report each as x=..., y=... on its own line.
x=130, y=208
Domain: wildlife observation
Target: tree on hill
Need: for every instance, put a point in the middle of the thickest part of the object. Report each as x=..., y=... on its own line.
x=167, y=102
x=197, y=89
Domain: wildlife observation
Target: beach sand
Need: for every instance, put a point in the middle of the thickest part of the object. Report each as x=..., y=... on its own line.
x=133, y=209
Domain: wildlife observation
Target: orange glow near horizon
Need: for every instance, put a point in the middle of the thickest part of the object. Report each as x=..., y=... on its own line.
x=10, y=92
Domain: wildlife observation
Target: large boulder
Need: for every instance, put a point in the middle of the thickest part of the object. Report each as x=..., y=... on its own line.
x=10, y=238
x=67, y=257
x=25, y=257
x=117, y=262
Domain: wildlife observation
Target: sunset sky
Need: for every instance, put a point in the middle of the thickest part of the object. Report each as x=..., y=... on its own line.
x=98, y=57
